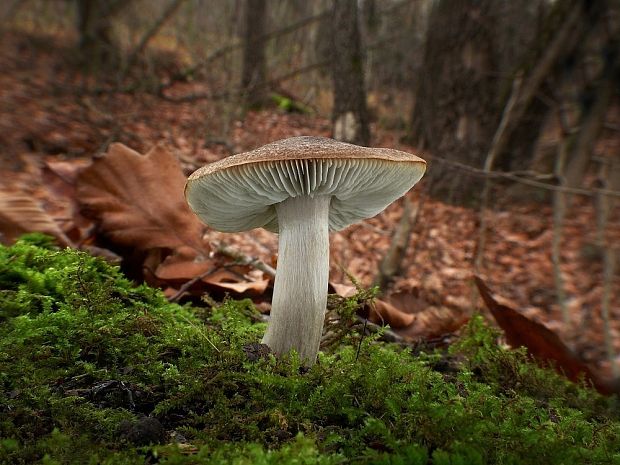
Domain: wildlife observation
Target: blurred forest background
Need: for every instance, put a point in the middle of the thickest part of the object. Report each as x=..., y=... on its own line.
x=513, y=104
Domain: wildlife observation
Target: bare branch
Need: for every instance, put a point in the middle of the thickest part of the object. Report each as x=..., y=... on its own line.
x=520, y=179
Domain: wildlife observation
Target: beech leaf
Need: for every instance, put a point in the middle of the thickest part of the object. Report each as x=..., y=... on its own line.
x=185, y=265
x=382, y=312
x=542, y=343
x=138, y=199
x=432, y=322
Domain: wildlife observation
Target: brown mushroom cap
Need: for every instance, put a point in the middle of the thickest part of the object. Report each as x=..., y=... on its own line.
x=240, y=192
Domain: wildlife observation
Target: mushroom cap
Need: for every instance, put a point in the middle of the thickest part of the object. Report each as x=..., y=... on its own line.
x=240, y=192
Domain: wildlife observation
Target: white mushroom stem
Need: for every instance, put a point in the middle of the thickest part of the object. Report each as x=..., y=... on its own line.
x=300, y=288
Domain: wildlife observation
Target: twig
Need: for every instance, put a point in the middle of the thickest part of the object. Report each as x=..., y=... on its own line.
x=387, y=334
x=245, y=259
x=190, y=283
x=530, y=182
x=226, y=49
x=200, y=331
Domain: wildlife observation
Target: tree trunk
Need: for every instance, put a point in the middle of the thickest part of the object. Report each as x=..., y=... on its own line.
x=350, y=114
x=254, y=59
x=456, y=102
x=94, y=24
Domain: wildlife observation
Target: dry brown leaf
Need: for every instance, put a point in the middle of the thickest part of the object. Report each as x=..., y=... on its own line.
x=382, y=313
x=138, y=199
x=60, y=176
x=408, y=315
x=434, y=321
x=183, y=265
x=541, y=342
x=186, y=265
x=225, y=281
x=59, y=180
x=20, y=213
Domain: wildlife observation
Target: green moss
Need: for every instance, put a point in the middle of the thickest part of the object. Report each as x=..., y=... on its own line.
x=84, y=353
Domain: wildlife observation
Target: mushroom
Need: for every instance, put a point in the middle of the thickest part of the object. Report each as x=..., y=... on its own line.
x=301, y=188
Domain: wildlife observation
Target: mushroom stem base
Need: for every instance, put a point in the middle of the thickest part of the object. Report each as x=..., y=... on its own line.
x=300, y=288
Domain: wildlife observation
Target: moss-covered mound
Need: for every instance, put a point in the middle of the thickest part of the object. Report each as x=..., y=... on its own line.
x=96, y=370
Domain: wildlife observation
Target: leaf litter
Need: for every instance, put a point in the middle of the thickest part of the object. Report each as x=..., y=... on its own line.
x=54, y=179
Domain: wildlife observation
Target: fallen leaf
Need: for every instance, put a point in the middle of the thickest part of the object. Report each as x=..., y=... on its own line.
x=20, y=213
x=383, y=313
x=60, y=179
x=60, y=176
x=138, y=199
x=185, y=265
x=542, y=343
x=224, y=281
x=432, y=322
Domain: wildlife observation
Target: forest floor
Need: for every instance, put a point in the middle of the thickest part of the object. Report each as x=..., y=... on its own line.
x=50, y=113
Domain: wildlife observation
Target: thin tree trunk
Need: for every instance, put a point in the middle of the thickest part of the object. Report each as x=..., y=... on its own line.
x=609, y=177
x=96, y=46
x=566, y=39
x=152, y=32
x=506, y=120
x=559, y=212
x=591, y=125
x=391, y=264
x=254, y=71
x=349, y=114
x=609, y=270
